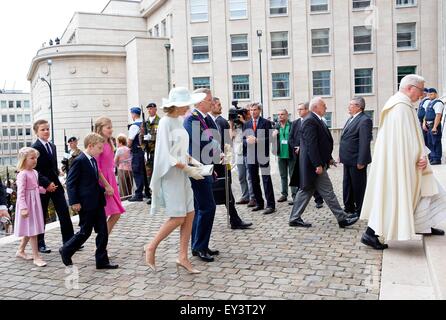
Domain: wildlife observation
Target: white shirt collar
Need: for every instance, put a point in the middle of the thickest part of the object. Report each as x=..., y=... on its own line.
x=88, y=156
x=320, y=118
x=202, y=114
x=43, y=142
x=356, y=115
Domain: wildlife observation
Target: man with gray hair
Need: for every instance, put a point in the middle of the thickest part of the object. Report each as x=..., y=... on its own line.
x=402, y=197
x=354, y=154
x=315, y=158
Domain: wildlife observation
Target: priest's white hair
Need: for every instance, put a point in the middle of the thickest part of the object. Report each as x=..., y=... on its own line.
x=411, y=80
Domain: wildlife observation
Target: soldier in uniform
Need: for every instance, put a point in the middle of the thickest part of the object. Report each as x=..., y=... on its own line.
x=152, y=127
x=74, y=152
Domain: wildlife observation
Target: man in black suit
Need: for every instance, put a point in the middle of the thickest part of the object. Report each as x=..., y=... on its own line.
x=86, y=196
x=355, y=155
x=256, y=139
x=49, y=179
x=303, y=110
x=221, y=129
x=315, y=158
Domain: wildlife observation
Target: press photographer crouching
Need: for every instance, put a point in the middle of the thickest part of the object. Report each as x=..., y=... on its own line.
x=237, y=117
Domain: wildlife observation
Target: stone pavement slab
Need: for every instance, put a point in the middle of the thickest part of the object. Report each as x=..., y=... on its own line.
x=269, y=261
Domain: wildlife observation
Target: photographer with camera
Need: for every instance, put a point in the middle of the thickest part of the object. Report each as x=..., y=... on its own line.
x=237, y=118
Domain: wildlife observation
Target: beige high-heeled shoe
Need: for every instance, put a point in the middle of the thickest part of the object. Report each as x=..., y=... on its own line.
x=189, y=270
x=150, y=265
x=23, y=256
x=39, y=263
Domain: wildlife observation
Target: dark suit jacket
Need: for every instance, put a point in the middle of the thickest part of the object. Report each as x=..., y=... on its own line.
x=2, y=194
x=276, y=147
x=355, y=141
x=200, y=136
x=83, y=185
x=316, y=146
x=47, y=165
x=295, y=131
x=224, y=126
x=263, y=135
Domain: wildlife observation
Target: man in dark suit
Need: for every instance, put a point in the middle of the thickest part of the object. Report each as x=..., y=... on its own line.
x=315, y=158
x=256, y=140
x=86, y=196
x=221, y=129
x=206, y=150
x=355, y=155
x=49, y=179
x=296, y=127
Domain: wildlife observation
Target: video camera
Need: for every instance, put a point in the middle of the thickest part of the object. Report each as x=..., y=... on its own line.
x=235, y=112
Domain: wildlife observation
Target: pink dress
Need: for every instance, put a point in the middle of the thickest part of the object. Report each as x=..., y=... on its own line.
x=106, y=165
x=28, y=197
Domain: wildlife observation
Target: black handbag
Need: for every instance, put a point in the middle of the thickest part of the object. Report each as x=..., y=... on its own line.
x=219, y=191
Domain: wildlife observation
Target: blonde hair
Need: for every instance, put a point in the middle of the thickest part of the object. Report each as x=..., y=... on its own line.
x=99, y=124
x=23, y=155
x=93, y=139
x=170, y=110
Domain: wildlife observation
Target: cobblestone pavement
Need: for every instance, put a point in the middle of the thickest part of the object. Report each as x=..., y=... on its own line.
x=270, y=261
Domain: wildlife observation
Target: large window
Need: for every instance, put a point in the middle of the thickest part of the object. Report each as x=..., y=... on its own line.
x=238, y=9
x=3, y=104
x=27, y=118
x=240, y=87
x=28, y=131
x=19, y=118
x=406, y=35
x=321, y=83
x=405, y=3
x=278, y=7
x=361, y=4
x=5, y=132
x=18, y=104
x=201, y=82
x=404, y=71
x=328, y=119
x=363, y=81
x=362, y=39
x=11, y=104
x=200, y=49
x=4, y=118
x=239, y=46
x=319, y=5
x=199, y=10
x=281, y=85
x=26, y=104
x=279, y=44
x=320, y=41
x=11, y=118
x=13, y=132
x=20, y=132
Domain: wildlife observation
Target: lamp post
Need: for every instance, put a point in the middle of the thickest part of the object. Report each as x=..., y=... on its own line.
x=259, y=35
x=168, y=46
x=48, y=82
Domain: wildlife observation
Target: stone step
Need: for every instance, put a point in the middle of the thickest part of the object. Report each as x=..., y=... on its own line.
x=405, y=272
x=435, y=249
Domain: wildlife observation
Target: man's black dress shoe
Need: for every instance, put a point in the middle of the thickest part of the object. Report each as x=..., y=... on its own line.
x=434, y=163
x=300, y=224
x=319, y=205
x=373, y=242
x=66, y=261
x=291, y=203
x=107, y=266
x=213, y=252
x=437, y=232
x=203, y=255
x=241, y=225
x=269, y=211
x=135, y=199
x=348, y=221
x=252, y=204
x=149, y=201
x=242, y=201
x=258, y=208
x=44, y=249
x=282, y=199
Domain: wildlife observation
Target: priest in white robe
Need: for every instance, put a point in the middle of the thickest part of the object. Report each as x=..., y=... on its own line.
x=402, y=197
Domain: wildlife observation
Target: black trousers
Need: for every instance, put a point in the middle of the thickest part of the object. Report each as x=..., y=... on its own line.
x=60, y=204
x=354, y=184
x=267, y=185
x=90, y=220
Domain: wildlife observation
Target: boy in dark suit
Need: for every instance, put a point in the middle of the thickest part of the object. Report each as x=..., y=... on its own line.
x=87, y=198
x=49, y=179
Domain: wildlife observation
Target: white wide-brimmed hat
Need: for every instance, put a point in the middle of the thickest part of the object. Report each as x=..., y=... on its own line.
x=181, y=97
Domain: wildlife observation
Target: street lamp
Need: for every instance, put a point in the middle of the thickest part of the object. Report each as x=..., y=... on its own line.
x=168, y=46
x=48, y=82
x=259, y=35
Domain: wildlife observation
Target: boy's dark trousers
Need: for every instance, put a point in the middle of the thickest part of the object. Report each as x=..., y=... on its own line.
x=89, y=220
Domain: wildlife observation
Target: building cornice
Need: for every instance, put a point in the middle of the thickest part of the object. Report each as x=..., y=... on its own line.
x=152, y=7
x=74, y=50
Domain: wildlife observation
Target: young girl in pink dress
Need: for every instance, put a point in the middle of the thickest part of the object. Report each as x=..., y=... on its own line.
x=106, y=164
x=28, y=214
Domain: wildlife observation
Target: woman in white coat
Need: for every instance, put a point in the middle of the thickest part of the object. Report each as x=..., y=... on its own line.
x=170, y=184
